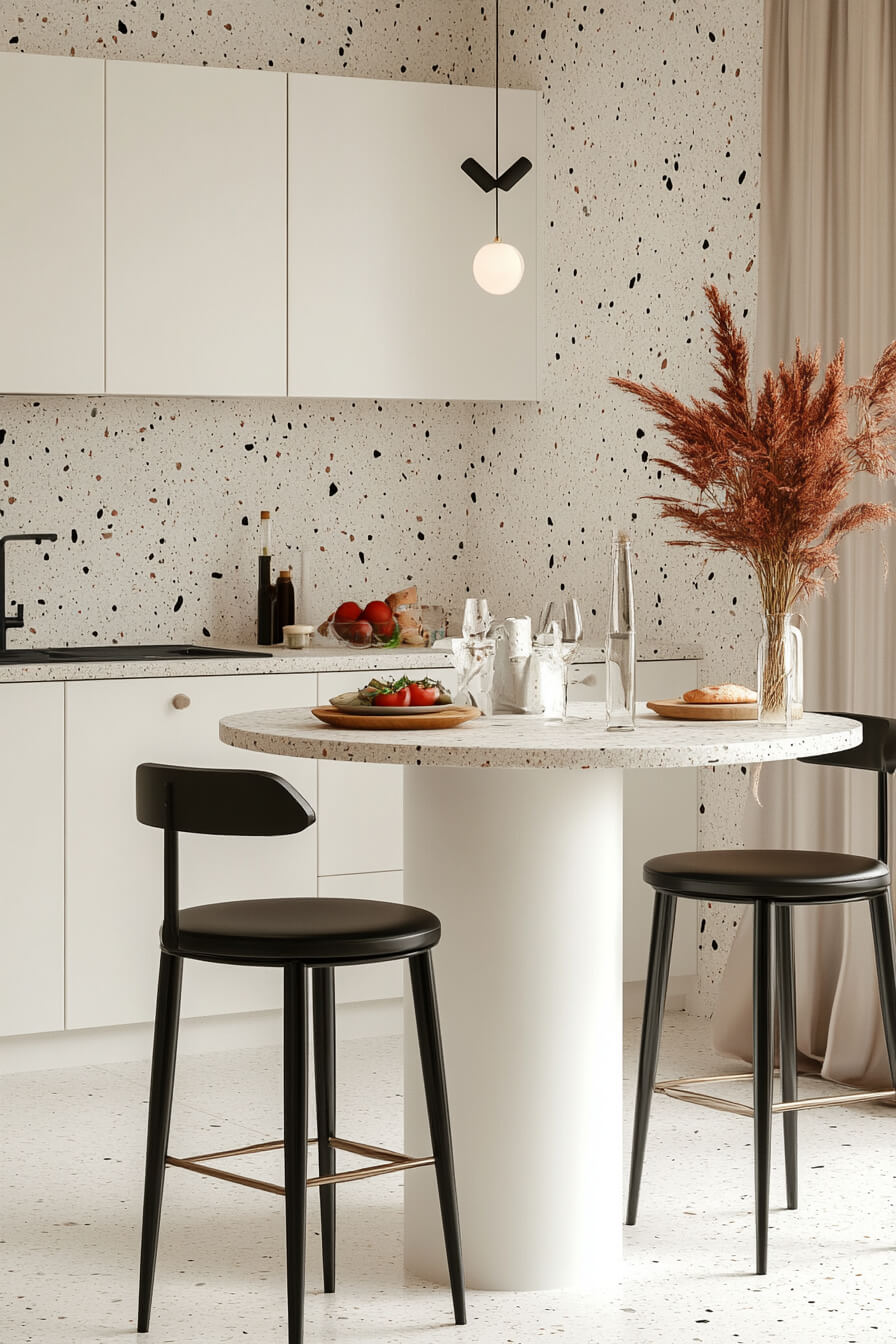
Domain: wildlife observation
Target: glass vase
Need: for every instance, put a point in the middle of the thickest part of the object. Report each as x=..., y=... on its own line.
x=779, y=672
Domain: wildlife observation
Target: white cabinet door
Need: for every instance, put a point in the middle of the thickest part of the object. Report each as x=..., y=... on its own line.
x=360, y=806
x=359, y=826
x=32, y=829
x=383, y=228
x=51, y=224
x=114, y=865
x=195, y=230
x=660, y=817
x=360, y=836
x=356, y=984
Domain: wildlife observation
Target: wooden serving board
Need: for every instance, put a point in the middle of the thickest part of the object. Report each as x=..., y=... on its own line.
x=449, y=717
x=680, y=709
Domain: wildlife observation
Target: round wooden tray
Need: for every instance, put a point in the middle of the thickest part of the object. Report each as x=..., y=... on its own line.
x=680, y=709
x=452, y=716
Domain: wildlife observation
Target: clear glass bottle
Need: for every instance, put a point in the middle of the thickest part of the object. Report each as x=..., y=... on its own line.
x=620, y=653
x=265, y=548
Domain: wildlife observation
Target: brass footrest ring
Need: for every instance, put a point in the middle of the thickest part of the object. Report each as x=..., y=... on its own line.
x=680, y=1089
x=388, y=1161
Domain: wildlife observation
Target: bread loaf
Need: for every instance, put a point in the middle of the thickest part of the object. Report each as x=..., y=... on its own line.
x=726, y=694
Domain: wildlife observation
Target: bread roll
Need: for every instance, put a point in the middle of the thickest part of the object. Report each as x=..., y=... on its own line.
x=406, y=597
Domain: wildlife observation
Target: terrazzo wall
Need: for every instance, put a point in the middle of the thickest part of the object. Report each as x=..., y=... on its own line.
x=651, y=189
x=650, y=169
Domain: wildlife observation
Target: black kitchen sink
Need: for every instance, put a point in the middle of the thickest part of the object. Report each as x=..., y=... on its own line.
x=123, y=653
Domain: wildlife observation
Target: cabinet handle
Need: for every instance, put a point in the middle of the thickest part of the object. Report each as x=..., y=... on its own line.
x=181, y=702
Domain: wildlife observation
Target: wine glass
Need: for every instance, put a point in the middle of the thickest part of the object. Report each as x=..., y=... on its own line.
x=566, y=614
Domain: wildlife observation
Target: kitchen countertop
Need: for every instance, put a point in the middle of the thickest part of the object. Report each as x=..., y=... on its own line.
x=319, y=658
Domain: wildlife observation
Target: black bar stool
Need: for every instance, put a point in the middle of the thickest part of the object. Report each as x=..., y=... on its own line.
x=299, y=935
x=772, y=882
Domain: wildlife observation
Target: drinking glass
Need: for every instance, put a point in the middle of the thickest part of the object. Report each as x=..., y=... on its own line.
x=567, y=614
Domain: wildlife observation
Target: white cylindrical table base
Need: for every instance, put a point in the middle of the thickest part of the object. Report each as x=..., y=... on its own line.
x=524, y=869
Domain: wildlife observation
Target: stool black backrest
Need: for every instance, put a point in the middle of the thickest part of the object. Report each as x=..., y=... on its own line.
x=177, y=798
x=877, y=752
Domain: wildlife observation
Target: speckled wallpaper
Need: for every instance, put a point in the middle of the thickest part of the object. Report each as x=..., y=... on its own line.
x=649, y=175
x=650, y=189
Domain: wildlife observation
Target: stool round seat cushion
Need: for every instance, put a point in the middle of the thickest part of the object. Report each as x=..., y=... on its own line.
x=787, y=876
x=318, y=930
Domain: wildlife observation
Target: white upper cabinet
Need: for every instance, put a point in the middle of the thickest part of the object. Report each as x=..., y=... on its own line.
x=195, y=230
x=147, y=249
x=51, y=224
x=383, y=227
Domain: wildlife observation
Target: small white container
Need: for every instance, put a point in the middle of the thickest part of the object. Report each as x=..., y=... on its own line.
x=297, y=636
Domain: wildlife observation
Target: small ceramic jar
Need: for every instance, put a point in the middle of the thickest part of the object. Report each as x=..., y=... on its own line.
x=297, y=636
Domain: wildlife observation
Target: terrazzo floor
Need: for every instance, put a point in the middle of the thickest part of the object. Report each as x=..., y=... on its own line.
x=70, y=1181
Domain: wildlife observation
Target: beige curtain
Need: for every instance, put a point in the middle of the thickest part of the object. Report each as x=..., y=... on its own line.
x=827, y=271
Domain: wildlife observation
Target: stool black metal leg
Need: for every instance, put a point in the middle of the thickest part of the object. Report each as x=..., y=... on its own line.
x=787, y=1030
x=161, y=1089
x=651, y=1031
x=763, y=1069
x=429, y=1035
x=295, y=1139
x=882, y=927
x=324, y=1003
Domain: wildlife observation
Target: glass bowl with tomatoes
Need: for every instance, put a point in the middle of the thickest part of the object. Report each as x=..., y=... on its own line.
x=374, y=626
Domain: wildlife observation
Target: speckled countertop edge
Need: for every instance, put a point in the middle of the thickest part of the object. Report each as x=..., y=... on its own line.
x=315, y=659
x=521, y=741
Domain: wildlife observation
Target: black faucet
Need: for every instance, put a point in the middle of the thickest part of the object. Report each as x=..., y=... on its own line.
x=14, y=622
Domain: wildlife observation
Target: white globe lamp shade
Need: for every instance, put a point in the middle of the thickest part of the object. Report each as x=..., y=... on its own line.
x=498, y=267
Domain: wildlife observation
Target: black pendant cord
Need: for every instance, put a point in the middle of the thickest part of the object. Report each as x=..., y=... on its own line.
x=497, y=72
x=497, y=181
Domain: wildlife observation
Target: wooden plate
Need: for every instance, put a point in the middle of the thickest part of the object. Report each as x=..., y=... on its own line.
x=680, y=709
x=449, y=717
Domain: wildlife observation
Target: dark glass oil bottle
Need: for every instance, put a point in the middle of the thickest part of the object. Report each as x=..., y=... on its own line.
x=285, y=613
x=267, y=593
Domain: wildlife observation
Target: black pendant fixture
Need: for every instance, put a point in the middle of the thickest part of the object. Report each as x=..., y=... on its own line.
x=497, y=266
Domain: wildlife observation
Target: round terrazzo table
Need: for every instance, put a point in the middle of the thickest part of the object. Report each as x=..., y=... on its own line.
x=513, y=837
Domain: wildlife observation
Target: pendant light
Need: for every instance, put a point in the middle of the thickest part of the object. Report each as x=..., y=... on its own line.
x=497, y=266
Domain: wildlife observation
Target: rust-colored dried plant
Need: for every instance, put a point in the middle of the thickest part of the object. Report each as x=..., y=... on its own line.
x=771, y=478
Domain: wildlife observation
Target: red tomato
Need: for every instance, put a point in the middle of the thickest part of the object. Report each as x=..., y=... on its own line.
x=423, y=695
x=400, y=698
x=359, y=632
x=380, y=616
x=345, y=612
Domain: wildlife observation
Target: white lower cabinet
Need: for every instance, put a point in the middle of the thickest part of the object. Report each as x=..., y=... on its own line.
x=359, y=821
x=356, y=984
x=360, y=839
x=31, y=845
x=660, y=812
x=82, y=891
x=114, y=865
